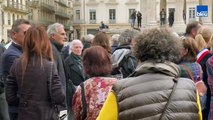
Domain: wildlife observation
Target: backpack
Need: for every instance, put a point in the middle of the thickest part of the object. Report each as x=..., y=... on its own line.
x=125, y=67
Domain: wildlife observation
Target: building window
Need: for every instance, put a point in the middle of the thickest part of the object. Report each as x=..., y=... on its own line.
x=130, y=12
x=92, y=14
x=112, y=14
x=30, y=15
x=14, y=17
x=192, y=13
x=77, y=14
x=9, y=19
x=2, y=18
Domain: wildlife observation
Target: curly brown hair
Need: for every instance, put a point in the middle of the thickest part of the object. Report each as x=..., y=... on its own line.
x=157, y=46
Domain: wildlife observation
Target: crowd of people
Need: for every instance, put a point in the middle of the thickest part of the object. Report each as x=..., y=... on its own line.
x=149, y=74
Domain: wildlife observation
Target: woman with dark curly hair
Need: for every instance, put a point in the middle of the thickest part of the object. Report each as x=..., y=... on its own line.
x=154, y=91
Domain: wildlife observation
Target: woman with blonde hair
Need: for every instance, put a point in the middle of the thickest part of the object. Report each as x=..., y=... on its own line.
x=33, y=84
x=188, y=65
x=203, y=39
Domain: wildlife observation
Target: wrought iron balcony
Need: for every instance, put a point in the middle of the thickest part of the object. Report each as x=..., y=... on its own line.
x=34, y=3
x=47, y=7
x=78, y=21
x=77, y=3
x=15, y=7
x=62, y=2
x=62, y=14
x=45, y=22
x=67, y=27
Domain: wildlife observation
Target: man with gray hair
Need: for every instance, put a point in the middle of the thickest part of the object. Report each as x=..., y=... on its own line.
x=57, y=36
x=88, y=41
x=114, y=42
x=124, y=63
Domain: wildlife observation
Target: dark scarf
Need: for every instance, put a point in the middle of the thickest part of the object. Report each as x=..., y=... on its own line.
x=77, y=59
x=59, y=47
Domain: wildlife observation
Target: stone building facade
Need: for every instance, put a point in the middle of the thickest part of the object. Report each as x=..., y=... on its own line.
x=42, y=12
x=10, y=10
x=116, y=14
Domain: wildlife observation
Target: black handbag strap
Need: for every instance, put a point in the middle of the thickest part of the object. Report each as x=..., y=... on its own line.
x=170, y=98
x=84, y=104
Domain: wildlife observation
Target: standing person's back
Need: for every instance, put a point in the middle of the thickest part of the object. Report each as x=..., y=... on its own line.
x=154, y=91
x=123, y=61
x=33, y=84
x=132, y=18
x=203, y=39
x=190, y=68
x=4, y=115
x=14, y=51
x=139, y=17
x=162, y=17
x=91, y=94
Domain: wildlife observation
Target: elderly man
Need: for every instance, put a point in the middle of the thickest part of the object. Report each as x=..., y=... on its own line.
x=124, y=63
x=74, y=69
x=14, y=51
x=88, y=40
x=57, y=36
x=192, y=28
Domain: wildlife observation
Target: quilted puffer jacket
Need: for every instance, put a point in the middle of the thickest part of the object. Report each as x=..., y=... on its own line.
x=146, y=93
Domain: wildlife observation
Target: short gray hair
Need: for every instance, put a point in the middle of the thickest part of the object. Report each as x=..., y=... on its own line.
x=73, y=42
x=52, y=29
x=114, y=39
x=126, y=36
x=89, y=37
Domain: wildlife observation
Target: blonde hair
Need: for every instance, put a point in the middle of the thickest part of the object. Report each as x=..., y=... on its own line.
x=203, y=37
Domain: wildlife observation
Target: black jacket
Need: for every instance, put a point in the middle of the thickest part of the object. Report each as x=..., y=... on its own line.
x=31, y=92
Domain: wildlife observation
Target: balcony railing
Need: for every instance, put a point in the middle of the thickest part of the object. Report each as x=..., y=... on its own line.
x=15, y=7
x=34, y=3
x=92, y=21
x=63, y=3
x=62, y=14
x=112, y=21
x=45, y=22
x=47, y=7
x=77, y=3
x=78, y=21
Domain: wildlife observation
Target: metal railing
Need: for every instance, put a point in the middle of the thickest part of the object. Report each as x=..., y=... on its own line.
x=15, y=6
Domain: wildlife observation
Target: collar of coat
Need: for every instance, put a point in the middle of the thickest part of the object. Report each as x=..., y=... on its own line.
x=167, y=68
x=58, y=46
